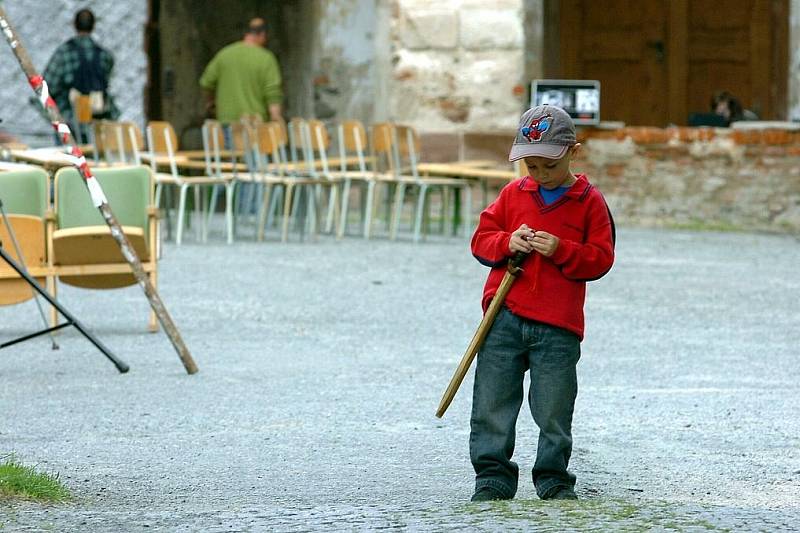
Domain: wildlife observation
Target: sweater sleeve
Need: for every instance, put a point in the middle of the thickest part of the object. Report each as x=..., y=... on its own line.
x=593, y=258
x=490, y=241
x=210, y=75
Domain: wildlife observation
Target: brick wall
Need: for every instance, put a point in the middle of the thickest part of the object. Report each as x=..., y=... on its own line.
x=693, y=177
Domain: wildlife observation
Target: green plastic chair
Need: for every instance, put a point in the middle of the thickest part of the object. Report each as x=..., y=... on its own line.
x=84, y=252
x=24, y=197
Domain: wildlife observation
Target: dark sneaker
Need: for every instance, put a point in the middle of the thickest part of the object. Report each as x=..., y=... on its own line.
x=561, y=493
x=487, y=494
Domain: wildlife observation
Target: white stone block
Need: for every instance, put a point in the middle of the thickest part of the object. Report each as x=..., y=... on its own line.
x=483, y=29
x=424, y=29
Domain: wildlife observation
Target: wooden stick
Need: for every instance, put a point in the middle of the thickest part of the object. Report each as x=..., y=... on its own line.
x=483, y=329
x=39, y=86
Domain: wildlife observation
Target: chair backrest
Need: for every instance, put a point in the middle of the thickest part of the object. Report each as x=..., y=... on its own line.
x=213, y=143
x=407, y=147
x=121, y=141
x=318, y=141
x=382, y=142
x=161, y=137
x=162, y=140
x=297, y=139
x=352, y=140
x=129, y=191
x=24, y=192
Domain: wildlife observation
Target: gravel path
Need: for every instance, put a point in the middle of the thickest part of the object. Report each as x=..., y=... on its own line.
x=321, y=366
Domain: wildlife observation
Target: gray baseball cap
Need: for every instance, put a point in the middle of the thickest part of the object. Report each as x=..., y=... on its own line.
x=544, y=131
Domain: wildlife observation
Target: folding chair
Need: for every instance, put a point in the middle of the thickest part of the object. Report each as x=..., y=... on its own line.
x=24, y=194
x=163, y=142
x=407, y=147
x=84, y=254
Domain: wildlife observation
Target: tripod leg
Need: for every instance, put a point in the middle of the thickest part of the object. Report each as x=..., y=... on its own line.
x=21, y=258
x=121, y=366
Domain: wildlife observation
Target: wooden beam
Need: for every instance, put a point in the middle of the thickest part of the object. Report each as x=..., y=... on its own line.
x=570, y=32
x=677, y=60
x=761, y=59
x=779, y=86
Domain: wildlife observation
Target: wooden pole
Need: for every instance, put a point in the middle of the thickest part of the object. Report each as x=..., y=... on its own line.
x=483, y=329
x=39, y=86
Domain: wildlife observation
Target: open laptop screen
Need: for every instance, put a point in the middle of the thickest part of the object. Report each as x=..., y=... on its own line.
x=579, y=98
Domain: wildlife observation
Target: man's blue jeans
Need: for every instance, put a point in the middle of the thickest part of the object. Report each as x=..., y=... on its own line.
x=514, y=345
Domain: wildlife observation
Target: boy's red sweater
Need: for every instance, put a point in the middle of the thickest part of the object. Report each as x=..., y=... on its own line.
x=549, y=289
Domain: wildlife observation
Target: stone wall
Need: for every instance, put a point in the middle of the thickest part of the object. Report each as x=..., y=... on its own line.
x=693, y=177
x=712, y=178
x=42, y=26
x=457, y=65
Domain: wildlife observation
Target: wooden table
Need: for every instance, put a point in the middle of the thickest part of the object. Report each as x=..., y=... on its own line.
x=485, y=176
x=52, y=158
x=49, y=158
x=6, y=166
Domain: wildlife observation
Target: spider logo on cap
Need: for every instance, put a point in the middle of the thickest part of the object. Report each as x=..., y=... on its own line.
x=533, y=132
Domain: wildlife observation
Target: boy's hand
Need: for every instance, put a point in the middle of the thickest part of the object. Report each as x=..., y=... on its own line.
x=544, y=243
x=521, y=240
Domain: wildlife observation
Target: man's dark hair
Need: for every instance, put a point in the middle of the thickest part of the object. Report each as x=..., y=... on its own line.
x=84, y=21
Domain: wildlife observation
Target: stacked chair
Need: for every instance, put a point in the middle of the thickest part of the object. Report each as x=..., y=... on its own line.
x=163, y=143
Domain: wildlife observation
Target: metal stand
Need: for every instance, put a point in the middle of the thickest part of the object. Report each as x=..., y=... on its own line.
x=71, y=320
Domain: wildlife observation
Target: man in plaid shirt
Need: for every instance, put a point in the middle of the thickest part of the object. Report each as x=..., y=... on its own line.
x=81, y=64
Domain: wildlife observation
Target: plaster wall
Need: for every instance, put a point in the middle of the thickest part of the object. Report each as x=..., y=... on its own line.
x=42, y=26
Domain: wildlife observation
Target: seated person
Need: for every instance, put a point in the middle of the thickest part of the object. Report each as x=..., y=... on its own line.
x=727, y=106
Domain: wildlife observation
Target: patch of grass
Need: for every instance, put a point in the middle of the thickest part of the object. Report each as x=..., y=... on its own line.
x=706, y=225
x=18, y=481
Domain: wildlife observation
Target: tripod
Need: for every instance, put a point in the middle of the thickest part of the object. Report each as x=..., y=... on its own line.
x=71, y=320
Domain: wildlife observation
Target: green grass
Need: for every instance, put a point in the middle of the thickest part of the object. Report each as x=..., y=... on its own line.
x=18, y=481
x=706, y=225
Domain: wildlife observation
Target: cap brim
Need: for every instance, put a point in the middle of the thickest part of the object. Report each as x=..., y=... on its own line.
x=549, y=151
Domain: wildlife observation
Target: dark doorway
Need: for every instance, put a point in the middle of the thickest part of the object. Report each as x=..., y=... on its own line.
x=182, y=37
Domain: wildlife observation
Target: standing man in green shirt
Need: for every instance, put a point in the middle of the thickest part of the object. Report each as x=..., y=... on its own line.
x=244, y=78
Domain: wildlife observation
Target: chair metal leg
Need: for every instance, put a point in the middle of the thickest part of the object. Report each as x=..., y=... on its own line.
x=262, y=211
x=445, y=208
x=287, y=212
x=212, y=203
x=181, y=212
x=199, y=208
x=343, y=216
x=369, y=209
x=399, y=196
x=423, y=190
x=312, y=221
x=274, y=204
x=333, y=205
x=229, y=192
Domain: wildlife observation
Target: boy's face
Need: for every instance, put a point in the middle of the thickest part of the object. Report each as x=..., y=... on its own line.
x=551, y=173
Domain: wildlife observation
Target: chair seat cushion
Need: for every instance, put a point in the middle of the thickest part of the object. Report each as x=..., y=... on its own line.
x=93, y=245
x=29, y=232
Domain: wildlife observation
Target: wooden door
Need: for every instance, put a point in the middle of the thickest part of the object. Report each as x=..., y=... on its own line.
x=659, y=60
x=622, y=43
x=735, y=45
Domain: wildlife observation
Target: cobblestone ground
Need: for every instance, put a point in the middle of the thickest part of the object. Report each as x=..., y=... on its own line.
x=321, y=366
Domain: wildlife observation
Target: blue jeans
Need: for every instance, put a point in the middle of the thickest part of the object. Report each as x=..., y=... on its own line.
x=514, y=345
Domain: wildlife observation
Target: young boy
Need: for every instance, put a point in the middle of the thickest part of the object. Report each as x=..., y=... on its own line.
x=563, y=223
